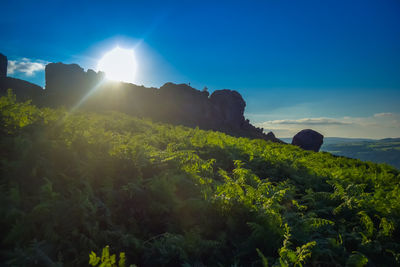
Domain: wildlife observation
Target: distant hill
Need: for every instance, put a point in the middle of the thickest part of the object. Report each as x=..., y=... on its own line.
x=380, y=151
x=341, y=140
x=332, y=140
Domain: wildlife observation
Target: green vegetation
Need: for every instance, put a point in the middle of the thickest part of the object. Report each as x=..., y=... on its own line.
x=107, y=260
x=380, y=151
x=71, y=184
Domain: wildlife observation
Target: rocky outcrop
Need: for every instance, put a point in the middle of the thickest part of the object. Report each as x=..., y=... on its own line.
x=173, y=103
x=182, y=104
x=271, y=136
x=308, y=139
x=228, y=108
x=3, y=65
x=71, y=86
x=66, y=84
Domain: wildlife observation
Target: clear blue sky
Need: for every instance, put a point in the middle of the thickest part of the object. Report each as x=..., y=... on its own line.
x=329, y=65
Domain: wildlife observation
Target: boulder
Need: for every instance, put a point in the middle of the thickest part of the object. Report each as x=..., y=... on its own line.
x=3, y=65
x=228, y=108
x=308, y=139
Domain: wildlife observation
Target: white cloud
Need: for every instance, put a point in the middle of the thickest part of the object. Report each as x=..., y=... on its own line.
x=358, y=127
x=310, y=121
x=384, y=114
x=25, y=66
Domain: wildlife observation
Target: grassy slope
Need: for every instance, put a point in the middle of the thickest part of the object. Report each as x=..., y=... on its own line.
x=170, y=195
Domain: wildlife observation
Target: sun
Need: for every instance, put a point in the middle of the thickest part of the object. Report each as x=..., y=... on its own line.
x=118, y=64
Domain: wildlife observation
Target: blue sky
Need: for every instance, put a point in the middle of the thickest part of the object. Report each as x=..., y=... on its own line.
x=333, y=66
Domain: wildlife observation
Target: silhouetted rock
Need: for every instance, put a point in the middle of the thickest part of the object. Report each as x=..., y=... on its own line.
x=69, y=85
x=3, y=65
x=308, y=139
x=22, y=89
x=271, y=136
x=182, y=104
x=228, y=108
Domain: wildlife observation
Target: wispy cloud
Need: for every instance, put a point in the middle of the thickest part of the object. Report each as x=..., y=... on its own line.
x=25, y=66
x=384, y=114
x=310, y=121
x=377, y=126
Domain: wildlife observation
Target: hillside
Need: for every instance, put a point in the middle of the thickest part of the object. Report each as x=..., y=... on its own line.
x=72, y=183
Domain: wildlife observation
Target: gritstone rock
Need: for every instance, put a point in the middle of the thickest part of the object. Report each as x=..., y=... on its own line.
x=3, y=65
x=308, y=139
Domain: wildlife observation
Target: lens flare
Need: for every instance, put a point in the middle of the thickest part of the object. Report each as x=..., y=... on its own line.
x=119, y=65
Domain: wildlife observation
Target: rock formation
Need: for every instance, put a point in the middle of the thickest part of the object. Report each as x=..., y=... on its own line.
x=3, y=65
x=69, y=85
x=229, y=108
x=182, y=104
x=66, y=84
x=172, y=103
x=308, y=139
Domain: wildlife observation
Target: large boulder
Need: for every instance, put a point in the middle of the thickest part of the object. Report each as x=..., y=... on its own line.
x=228, y=108
x=3, y=65
x=308, y=139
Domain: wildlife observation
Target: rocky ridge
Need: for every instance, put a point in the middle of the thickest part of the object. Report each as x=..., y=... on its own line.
x=71, y=86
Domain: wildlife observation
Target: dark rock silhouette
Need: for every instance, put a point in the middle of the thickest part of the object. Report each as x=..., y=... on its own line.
x=181, y=103
x=66, y=84
x=69, y=85
x=308, y=139
x=173, y=103
x=3, y=65
x=229, y=107
x=271, y=135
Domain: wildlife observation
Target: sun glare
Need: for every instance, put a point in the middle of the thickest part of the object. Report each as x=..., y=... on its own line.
x=119, y=65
